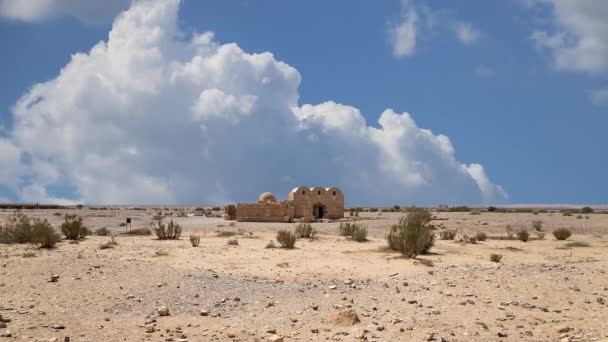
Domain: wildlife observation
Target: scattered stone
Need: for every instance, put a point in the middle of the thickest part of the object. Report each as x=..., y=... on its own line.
x=345, y=318
x=563, y=329
x=163, y=311
x=57, y=326
x=502, y=334
x=54, y=278
x=276, y=338
x=600, y=300
x=204, y=313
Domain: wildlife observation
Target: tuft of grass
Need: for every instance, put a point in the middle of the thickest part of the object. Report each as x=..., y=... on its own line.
x=73, y=227
x=495, y=257
x=448, y=234
x=233, y=242
x=481, y=236
x=286, y=238
x=523, y=235
x=226, y=233
x=412, y=235
x=195, y=240
x=306, y=230
x=170, y=231
x=562, y=233
x=360, y=234
x=346, y=228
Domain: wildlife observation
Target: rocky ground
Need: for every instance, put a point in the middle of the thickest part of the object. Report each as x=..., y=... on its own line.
x=330, y=288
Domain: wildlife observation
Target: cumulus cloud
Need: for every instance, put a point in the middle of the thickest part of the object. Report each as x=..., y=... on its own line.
x=151, y=117
x=578, y=35
x=465, y=33
x=89, y=11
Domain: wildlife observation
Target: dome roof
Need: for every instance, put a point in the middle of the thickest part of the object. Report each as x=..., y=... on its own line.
x=267, y=197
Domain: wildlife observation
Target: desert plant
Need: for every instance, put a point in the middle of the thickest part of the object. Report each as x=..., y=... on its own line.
x=360, y=234
x=139, y=232
x=347, y=228
x=18, y=229
x=587, y=210
x=270, y=245
x=495, y=257
x=306, y=230
x=102, y=232
x=170, y=231
x=537, y=225
x=540, y=235
x=523, y=235
x=509, y=231
x=286, y=238
x=572, y=244
x=411, y=236
x=562, y=233
x=109, y=244
x=44, y=235
x=481, y=236
x=195, y=240
x=73, y=228
x=491, y=208
x=472, y=240
x=232, y=242
x=461, y=209
x=567, y=213
x=422, y=214
x=448, y=234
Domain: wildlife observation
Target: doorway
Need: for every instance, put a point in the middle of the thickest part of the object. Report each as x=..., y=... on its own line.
x=318, y=211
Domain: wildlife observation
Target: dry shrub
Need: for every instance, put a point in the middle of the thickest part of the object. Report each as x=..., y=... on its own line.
x=523, y=235
x=286, y=238
x=412, y=236
x=226, y=233
x=448, y=234
x=109, y=244
x=360, y=234
x=573, y=244
x=472, y=240
x=102, y=232
x=195, y=240
x=44, y=235
x=18, y=229
x=495, y=257
x=481, y=236
x=306, y=230
x=347, y=229
x=139, y=232
x=510, y=232
x=562, y=233
x=537, y=225
x=540, y=235
x=171, y=231
x=232, y=242
x=73, y=228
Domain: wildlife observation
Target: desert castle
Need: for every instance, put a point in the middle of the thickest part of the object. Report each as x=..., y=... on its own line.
x=303, y=204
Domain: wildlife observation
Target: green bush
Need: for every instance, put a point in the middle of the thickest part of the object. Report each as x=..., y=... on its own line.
x=360, y=234
x=411, y=236
x=44, y=235
x=523, y=235
x=164, y=231
x=306, y=230
x=422, y=214
x=448, y=234
x=562, y=233
x=18, y=229
x=492, y=208
x=286, y=238
x=73, y=228
x=347, y=229
x=460, y=209
x=587, y=210
x=481, y=236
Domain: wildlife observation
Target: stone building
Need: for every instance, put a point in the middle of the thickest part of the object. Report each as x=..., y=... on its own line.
x=302, y=204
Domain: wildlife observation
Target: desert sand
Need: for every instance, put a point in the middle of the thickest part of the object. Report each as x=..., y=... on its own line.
x=541, y=290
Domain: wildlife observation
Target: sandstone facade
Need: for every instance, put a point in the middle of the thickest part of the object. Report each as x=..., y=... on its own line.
x=303, y=204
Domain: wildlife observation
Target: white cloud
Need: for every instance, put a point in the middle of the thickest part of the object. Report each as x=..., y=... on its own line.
x=89, y=11
x=148, y=117
x=599, y=97
x=578, y=35
x=10, y=163
x=465, y=33
x=403, y=34
x=484, y=71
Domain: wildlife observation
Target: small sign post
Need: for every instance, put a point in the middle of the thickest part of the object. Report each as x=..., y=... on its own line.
x=128, y=226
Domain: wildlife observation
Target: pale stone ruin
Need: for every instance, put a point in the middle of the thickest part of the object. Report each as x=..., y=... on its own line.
x=303, y=205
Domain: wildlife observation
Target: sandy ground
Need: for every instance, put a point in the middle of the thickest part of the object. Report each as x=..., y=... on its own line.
x=542, y=290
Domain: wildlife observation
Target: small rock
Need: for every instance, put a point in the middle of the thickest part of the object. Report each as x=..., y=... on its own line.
x=563, y=329
x=276, y=338
x=345, y=318
x=163, y=311
x=57, y=326
x=204, y=313
x=502, y=334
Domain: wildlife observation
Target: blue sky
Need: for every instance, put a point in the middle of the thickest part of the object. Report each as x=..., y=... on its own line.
x=503, y=98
